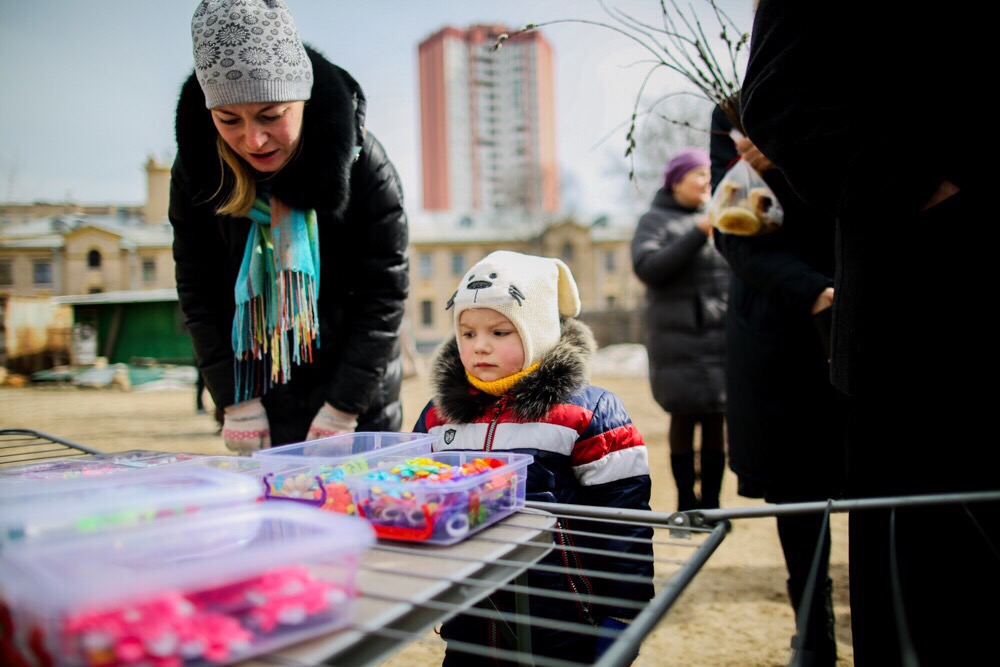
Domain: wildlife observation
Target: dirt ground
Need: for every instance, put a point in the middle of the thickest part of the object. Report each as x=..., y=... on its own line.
x=734, y=614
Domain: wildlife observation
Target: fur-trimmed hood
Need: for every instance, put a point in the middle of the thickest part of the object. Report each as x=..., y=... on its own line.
x=561, y=372
x=319, y=176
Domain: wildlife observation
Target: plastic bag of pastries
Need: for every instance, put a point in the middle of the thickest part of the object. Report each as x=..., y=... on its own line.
x=743, y=204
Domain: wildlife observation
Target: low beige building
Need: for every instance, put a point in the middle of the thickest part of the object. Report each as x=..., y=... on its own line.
x=59, y=249
x=52, y=250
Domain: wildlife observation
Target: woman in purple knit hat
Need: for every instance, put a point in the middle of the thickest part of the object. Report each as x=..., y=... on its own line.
x=687, y=283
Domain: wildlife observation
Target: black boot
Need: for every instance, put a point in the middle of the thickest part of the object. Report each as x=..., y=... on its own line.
x=819, y=647
x=682, y=466
x=713, y=467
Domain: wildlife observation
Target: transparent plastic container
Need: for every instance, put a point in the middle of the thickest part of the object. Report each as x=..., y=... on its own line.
x=435, y=511
x=145, y=458
x=57, y=507
x=214, y=588
x=313, y=472
x=245, y=465
x=93, y=465
x=68, y=468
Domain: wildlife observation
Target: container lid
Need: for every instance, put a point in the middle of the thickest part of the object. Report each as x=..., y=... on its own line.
x=66, y=468
x=145, y=458
x=344, y=446
x=204, y=550
x=382, y=475
x=28, y=510
x=92, y=465
x=241, y=464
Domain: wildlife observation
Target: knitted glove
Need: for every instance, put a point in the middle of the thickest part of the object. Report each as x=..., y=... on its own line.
x=603, y=643
x=245, y=428
x=331, y=421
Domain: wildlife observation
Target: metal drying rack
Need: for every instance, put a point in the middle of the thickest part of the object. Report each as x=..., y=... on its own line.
x=20, y=445
x=407, y=589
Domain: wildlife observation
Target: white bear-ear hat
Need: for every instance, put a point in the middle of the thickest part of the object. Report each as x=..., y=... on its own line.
x=531, y=291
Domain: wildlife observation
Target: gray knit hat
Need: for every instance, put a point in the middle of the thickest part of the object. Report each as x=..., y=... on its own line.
x=249, y=51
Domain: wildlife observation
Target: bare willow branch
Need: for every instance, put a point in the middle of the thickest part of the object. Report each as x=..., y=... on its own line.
x=682, y=46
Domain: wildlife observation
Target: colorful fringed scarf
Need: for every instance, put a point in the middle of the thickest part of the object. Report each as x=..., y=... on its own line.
x=276, y=322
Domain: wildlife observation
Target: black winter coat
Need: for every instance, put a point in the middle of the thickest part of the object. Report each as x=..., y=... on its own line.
x=363, y=239
x=785, y=420
x=687, y=285
x=905, y=276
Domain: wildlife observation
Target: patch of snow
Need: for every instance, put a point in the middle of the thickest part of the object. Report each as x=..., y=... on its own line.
x=623, y=360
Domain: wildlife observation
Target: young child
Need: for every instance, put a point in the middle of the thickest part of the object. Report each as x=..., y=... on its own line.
x=515, y=378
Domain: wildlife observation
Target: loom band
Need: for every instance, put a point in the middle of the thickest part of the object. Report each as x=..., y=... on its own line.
x=338, y=498
x=123, y=518
x=436, y=498
x=457, y=525
x=385, y=508
x=318, y=501
x=416, y=516
x=401, y=515
x=370, y=511
x=479, y=515
x=393, y=514
x=505, y=497
x=399, y=532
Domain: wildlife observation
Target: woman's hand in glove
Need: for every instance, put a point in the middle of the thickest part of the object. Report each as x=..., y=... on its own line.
x=331, y=421
x=245, y=428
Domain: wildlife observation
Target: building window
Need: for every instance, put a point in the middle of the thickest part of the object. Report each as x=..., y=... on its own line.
x=6, y=274
x=567, y=252
x=427, y=313
x=148, y=271
x=94, y=290
x=610, y=303
x=610, y=260
x=43, y=272
x=426, y=266
x=457, y=264
x=94, y=259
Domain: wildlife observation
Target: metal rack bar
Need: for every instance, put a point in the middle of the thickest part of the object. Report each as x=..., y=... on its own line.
x=682, y=544
x=21, y=445
x=703, y=518
x=395, y=607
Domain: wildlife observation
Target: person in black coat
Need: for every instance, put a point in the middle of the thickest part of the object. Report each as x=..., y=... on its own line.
x=290, y=236
x=686, y=292
x=827, y=97
x=785, y=419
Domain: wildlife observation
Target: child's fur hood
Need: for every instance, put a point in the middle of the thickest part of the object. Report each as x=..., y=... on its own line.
x=561, y=372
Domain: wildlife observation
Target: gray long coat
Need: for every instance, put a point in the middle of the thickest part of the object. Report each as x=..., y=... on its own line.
x=687, y=286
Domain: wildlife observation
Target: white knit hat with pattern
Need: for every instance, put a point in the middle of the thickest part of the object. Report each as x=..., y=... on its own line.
x=249, y=51
x=530, y=291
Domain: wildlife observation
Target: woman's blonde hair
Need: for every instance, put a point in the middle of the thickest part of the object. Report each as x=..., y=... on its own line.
x=244, y=186
x=243, y=191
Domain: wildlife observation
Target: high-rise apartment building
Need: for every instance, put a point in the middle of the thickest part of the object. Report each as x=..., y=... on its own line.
x=488, y=122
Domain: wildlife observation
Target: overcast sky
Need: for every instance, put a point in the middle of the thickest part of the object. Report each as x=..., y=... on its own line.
x=89, y=88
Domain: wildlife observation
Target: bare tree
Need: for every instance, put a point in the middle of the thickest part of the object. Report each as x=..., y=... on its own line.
x=657, y=139
x=680, y=44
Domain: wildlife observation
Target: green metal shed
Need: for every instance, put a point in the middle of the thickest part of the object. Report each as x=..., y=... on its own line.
x=134, y=325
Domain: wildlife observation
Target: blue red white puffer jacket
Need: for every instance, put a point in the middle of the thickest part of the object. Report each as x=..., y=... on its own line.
x=586, y=450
